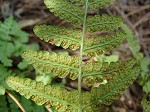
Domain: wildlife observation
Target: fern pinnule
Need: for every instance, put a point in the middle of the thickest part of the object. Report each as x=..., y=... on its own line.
x=103, y=23
x=102, y=44
x=112, y=90
x=96, y=4
x=52, y=96
x=58, y=64
x=98, y=73
x=66, y=10
x=42, y=95
x=60, y=36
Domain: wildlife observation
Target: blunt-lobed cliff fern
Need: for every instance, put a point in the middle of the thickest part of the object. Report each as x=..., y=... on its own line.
x=112, y=78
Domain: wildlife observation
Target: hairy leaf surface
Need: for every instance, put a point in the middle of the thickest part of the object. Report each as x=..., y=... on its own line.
x=66, y=10
x=58, y=64
x=103, y=23
x=60, y=36
x=99, y=45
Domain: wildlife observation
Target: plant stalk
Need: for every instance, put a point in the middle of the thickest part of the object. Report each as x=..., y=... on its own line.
x=15, y=100
x=81, y=54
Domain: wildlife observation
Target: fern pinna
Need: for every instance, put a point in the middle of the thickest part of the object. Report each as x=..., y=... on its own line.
x=112, y=78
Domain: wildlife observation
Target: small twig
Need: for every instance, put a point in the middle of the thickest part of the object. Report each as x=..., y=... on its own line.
x=49, y=110
x=16, y=101
x=1, y=1
x=27, y=71
x=61, y=23
x=143, y=19
x=138, y=10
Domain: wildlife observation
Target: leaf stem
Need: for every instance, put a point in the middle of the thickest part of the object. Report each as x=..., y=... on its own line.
x=15, y=100
x=49, y=110
x=81, y=54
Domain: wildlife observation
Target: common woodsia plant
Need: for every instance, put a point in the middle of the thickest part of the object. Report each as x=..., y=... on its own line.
x=113, y=78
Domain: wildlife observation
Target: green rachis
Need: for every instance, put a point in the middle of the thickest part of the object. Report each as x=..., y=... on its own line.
x=117, y=76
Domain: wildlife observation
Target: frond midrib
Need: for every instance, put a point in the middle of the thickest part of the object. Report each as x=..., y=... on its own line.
x=101, y=23
x=100, y=45
x=100, y=73
x=72, y=14
x=56, y=64
x=61, y=37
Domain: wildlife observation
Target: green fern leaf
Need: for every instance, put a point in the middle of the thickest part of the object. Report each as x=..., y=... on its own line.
x=60, y=36
x=146, y=103
x=30, y=106
x=58, y=64
x=96, y=4
x=2, y=90
x=103, y=23
x=106, y=94
x=3, y=104
x=97, y=73
x=12, y=40
x=100, y=45
x=4, y=72
x=66, y=10
x=52, y=96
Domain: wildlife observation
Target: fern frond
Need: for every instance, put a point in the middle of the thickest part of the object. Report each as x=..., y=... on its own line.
x=66, y=10
x=60, y=36
x=58, y=64
x=96, y=4
x=107, y=93
x=97, y=73
x=99, y=45
x=103, y=23
x=52, y=96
